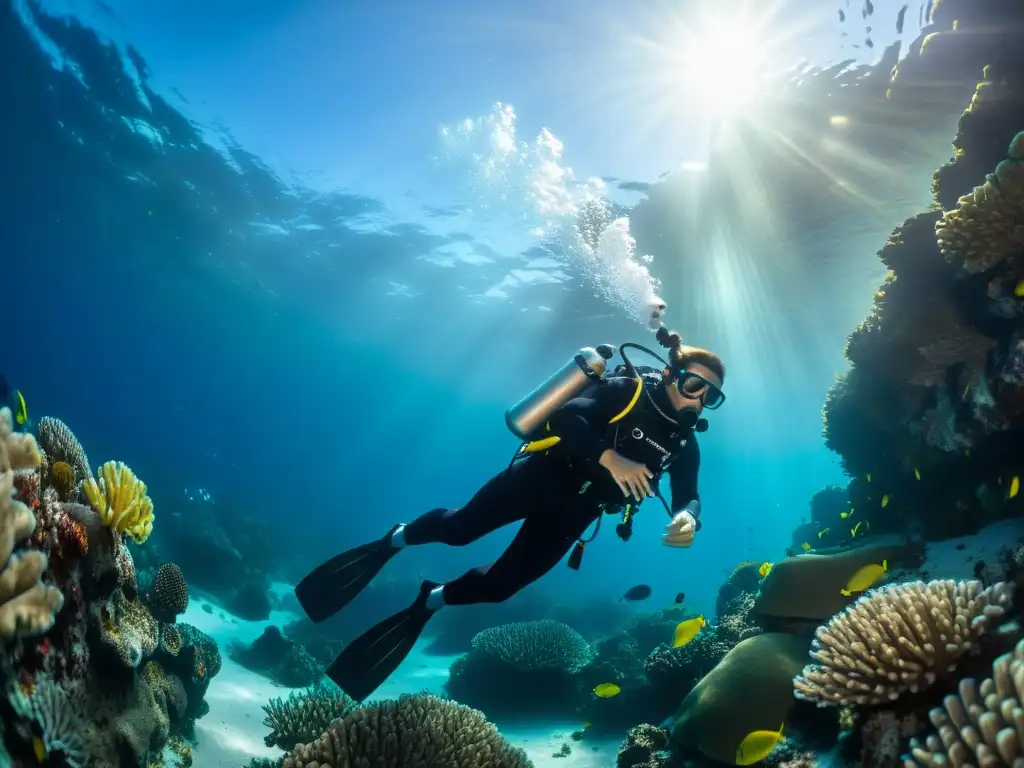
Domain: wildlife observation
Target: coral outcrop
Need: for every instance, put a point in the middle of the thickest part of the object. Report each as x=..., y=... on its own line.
x=304, y=715
x=979, y=725
x=522, y=667
x=897, y=639
x=418, y=730
x=27, y=606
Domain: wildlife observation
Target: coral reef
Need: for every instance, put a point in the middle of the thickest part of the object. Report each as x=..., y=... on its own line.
x=27, y=606
x=898, y=638
x=304, y=715
x=646, y=746
x=980, y=725
x=100, y=681
x=523, y=667
x=419, y=730
x=282, y=660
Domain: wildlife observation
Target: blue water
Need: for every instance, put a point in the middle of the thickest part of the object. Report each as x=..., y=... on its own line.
x=249, y=248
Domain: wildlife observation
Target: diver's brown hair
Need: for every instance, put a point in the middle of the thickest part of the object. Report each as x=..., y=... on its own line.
x=683, y=354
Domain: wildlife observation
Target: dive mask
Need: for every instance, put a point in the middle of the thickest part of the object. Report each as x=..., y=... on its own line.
x=696, y=386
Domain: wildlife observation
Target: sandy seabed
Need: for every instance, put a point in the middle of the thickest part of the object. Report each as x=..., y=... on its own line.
x=232, y=732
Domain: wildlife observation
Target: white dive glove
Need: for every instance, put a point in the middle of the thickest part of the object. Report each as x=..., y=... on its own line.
x=680, y=532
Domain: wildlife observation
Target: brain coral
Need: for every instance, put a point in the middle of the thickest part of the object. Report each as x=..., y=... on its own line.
x=530, y=645
x=416, y=730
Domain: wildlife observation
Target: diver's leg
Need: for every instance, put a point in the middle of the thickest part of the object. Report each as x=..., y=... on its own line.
x=503, y=499
x=546, y=535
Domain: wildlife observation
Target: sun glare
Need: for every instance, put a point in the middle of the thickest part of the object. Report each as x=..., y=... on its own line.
x=724, y=64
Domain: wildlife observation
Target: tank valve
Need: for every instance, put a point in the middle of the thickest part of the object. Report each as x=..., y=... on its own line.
x=607, y=351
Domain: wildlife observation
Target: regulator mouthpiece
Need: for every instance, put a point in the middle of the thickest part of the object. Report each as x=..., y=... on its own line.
x=688, y=417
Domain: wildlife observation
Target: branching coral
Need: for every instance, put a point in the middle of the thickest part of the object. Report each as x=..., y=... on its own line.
x=60, y=444
x=532, y=645
x=120, y=500
x=419, y=730
x=987, y=224
x=897, y=639
x=27, y=606
x=982, y=725
x=304, y=715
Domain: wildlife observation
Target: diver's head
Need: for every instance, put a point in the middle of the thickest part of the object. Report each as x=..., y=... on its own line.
x=693, y=381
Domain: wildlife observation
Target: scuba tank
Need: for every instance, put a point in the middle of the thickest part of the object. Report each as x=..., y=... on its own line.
x=528, y=418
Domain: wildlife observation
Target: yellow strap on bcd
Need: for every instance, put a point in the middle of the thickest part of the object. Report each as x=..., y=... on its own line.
x=536, y=446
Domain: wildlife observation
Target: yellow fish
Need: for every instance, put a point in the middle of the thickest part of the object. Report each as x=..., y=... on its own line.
x=39, y=748
x=1014, y=486
x=845, y=515
x=823, y=531
x=687, y=630
x=586, y=725
x=868, y=476
x=885, y=501
x=865, y=578
x=607, y=690
x=1019, y=290
x=917, y=473
x=805, y=546
x=853, y=531
x=21, y=411
x=757, y=745
x=765, y=569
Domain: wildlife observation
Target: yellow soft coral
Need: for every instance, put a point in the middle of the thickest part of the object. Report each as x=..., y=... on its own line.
x=987, y=225
x=120, y=500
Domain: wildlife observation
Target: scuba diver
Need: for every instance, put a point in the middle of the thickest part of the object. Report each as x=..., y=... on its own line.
x=14, y=400
x=594, y=443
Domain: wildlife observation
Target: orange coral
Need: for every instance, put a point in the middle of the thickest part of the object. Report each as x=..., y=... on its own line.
x=63, y=478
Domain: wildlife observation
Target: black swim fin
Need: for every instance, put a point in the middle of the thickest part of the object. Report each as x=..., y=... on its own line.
x=366, y=662
x=334, y=584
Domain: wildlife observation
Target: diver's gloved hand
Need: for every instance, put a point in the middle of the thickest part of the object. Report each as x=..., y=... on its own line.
x=680, y=532
x=632, y=477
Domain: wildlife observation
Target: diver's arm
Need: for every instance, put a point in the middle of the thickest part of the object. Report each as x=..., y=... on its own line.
x=683, y=481
x=582, y=423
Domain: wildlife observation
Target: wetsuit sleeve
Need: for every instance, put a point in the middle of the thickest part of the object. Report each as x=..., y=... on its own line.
x=683, y=477
x=583, y=422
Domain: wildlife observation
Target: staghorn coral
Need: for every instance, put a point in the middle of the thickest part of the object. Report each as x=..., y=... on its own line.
x=27, y=606
x=414, y=730
x=120, y=500
x=980, y=725
x=59, y=719
x=304, y=715
x=987, y=224
x=62, y=477
x=533, y=645
x=60, y=444
x=168, y=597
x=896, y=639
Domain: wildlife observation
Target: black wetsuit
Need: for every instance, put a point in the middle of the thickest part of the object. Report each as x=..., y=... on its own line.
x=559, y=494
